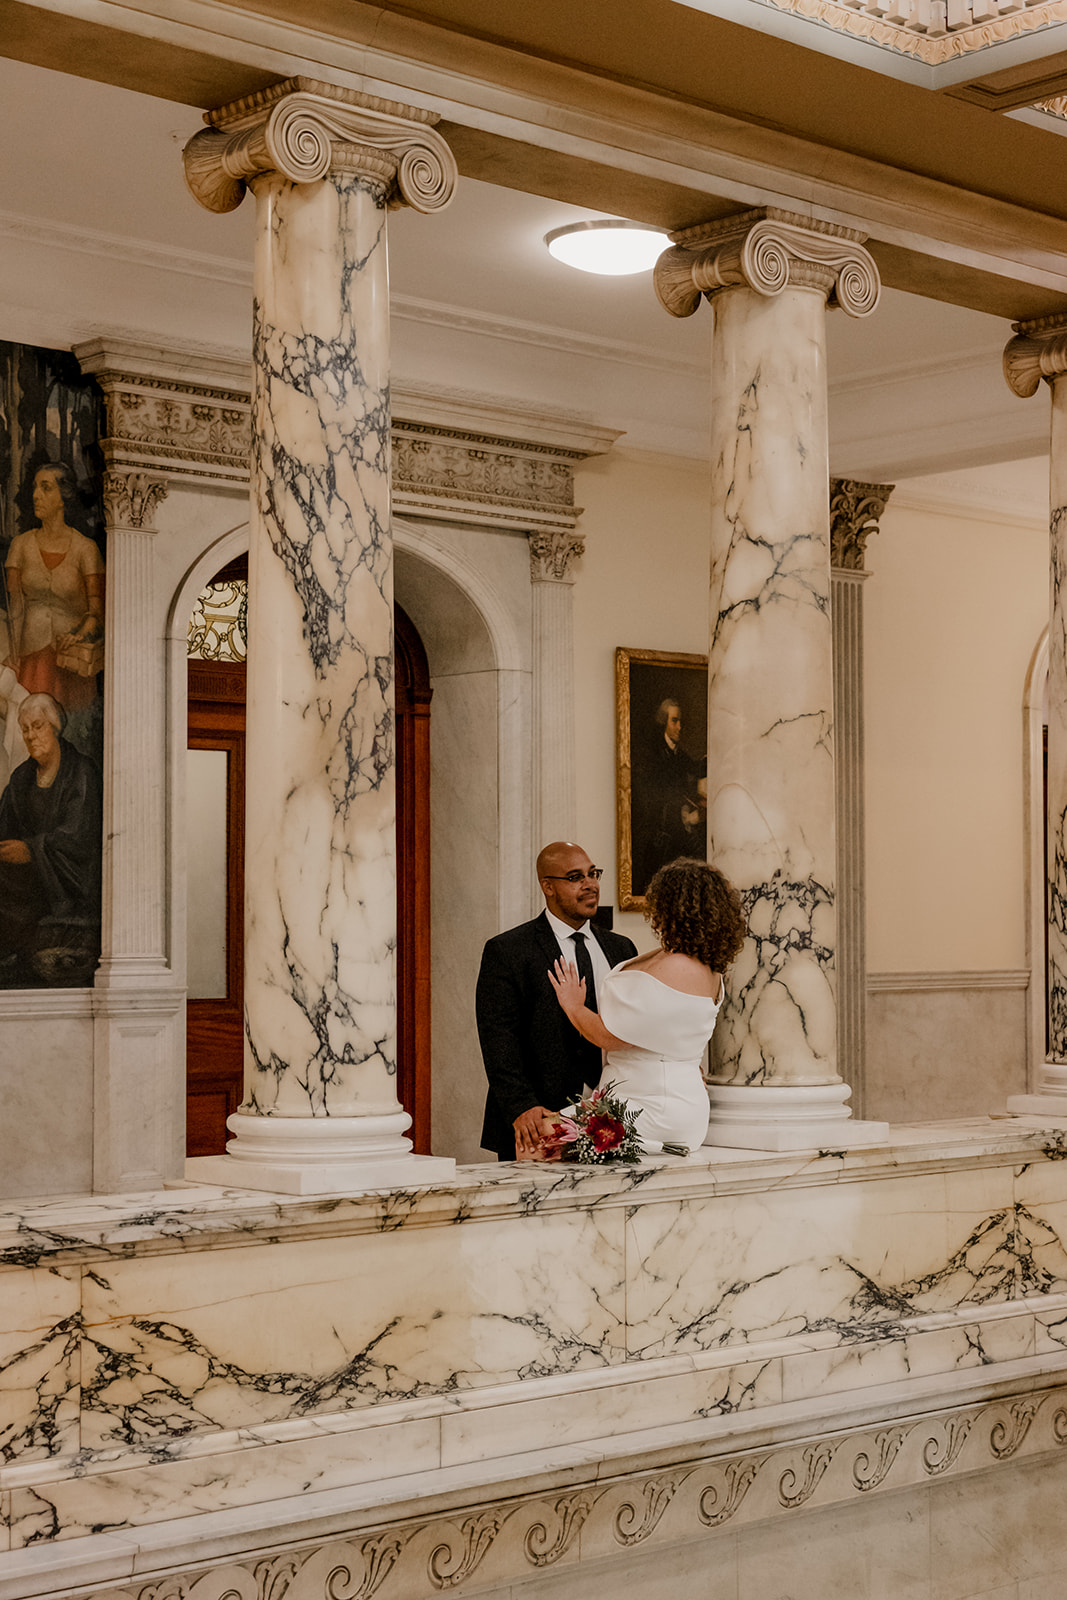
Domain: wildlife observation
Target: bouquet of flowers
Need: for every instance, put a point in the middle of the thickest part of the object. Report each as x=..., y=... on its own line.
x=602, y=1128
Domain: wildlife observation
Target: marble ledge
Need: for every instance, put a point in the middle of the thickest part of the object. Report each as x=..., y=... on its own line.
x=38, y=1232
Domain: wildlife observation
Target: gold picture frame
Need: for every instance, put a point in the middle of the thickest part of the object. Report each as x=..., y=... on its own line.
x=660, y=785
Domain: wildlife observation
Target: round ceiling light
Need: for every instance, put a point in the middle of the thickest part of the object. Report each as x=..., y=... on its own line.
x=610, y=248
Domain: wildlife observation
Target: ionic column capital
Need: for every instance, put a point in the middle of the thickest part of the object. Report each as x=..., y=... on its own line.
x=304, y=129
x=130, y=500
x=767, y=250
x=551, y=554
x=854, y=512
x=1038, y=350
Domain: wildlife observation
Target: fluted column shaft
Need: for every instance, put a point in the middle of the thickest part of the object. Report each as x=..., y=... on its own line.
x=138, y=1073
x=552, y=580
x=1039, y=351
x=320, y=897
x=771, y=784
x=854, y=512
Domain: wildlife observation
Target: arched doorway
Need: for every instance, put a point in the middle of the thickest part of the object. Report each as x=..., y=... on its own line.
x=215, y=872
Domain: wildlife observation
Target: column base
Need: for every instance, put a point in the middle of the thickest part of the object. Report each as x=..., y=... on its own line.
x=1050, y=1097
x=788, y=1117
x=1038, y=1105
x=319, y=1155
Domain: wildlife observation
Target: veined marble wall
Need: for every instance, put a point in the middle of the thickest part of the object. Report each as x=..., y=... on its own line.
x=528, y=1371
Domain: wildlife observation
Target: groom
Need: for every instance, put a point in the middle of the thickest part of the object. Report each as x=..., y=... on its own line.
x=536, y=1062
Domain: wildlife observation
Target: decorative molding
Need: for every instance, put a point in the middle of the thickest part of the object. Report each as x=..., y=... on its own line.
x=912, y=982
x=503, y=1542
x=767, y=250
x=930, y=31
x=185, y=413
x=131, y=498
x=303, y=129
x=1038, y=350
x=551, y=555
x=855, y=509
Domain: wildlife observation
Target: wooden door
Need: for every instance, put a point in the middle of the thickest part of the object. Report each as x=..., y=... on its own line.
x=214, y=1015
x=214, y=1020
x=412, y=681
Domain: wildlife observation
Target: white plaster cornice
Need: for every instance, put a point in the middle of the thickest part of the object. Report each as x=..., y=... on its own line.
x=586, y=117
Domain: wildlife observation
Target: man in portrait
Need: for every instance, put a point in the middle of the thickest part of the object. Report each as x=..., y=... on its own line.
x=670, y=809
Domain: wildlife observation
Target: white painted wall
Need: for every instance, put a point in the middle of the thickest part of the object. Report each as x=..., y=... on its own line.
x=953, y=611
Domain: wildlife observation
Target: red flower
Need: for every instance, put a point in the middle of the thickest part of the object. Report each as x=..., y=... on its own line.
x=604, y=1132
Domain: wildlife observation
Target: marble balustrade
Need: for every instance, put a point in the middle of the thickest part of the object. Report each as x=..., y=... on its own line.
x=199, y=1351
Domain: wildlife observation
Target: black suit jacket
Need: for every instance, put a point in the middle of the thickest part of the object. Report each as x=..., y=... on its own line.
x=533, y=1056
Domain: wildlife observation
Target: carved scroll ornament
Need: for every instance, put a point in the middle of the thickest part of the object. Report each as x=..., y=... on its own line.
x=768, y=251
x=1039, y=350
x=303, y=129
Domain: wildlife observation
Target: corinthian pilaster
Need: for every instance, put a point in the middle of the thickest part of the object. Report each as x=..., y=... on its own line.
x=320, y=1111
x=771, y=799
x=855, y=509
x=552, y=557
x=1039, y=351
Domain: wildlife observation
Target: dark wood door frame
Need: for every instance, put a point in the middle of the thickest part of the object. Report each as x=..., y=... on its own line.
x=214, y=1028
x=413, y=694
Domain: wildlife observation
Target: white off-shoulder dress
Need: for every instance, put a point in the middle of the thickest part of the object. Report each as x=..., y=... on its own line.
x=658, y=1070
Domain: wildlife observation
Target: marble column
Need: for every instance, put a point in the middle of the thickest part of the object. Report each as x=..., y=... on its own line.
x=320, y=1112
x=138, y=1072
x=854, y=512
x=771, y=787
x=1039, y=351
x=552, y=555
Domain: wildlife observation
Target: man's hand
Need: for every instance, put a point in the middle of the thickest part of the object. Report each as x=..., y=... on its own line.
x=530, y=1129
x=14, y=850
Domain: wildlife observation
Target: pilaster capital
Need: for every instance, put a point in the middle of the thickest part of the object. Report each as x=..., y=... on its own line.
x=767, y=250
x=303, y=129
x=130, y=500
x=551, y=554
x=854, y=512
x=1038, y=350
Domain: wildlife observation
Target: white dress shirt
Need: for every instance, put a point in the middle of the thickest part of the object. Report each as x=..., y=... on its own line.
x=565, y=939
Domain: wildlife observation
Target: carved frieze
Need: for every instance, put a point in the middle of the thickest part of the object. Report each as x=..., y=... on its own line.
x=855, y=509
x=180, y=417
x=506, y=1541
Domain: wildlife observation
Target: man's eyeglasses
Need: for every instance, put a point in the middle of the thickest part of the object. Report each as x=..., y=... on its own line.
x=596, y=873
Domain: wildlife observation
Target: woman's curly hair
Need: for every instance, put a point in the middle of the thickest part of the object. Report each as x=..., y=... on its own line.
x=695, y=911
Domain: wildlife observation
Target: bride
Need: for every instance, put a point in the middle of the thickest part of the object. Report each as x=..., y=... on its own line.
x=657, y=1011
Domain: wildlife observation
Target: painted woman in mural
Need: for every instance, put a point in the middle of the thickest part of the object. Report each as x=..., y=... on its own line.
x=55, y=586
x=50, y=834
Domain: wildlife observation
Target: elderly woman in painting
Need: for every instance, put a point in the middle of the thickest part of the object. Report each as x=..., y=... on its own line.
x=50, y=838
x=55, y=585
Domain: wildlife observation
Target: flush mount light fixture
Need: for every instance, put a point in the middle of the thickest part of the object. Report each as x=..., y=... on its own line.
x=610, y=248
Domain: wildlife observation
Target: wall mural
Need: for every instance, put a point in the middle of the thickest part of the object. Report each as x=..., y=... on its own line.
x=51, y=669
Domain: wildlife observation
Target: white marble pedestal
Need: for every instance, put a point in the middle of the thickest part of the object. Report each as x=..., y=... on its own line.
x=319, y=1155
x=794, y=1118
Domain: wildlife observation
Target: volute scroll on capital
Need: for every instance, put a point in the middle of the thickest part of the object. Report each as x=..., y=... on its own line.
x=1038, y=350
x=768, y=251
x=304, y=129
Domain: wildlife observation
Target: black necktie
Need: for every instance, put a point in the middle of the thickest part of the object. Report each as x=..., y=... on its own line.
x=584, y=964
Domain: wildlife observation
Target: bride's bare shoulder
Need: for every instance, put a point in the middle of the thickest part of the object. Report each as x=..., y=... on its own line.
x=683, y=973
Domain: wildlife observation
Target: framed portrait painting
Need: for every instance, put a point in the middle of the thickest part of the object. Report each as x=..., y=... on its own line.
x=661, y=732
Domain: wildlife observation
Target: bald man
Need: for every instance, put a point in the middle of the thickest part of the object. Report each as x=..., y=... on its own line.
x=536, y=1062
